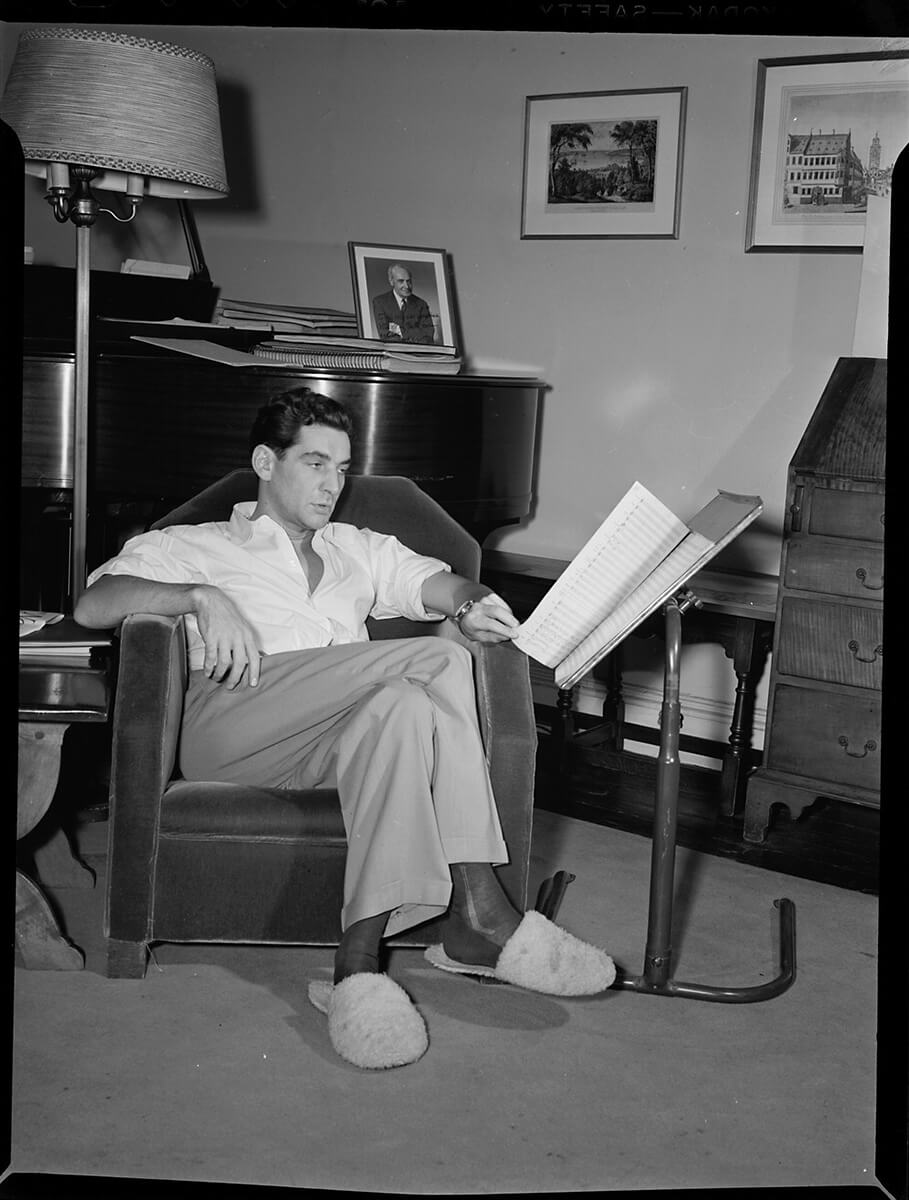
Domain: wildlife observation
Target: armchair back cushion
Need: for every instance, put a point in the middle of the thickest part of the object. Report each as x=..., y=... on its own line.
x=383, y=503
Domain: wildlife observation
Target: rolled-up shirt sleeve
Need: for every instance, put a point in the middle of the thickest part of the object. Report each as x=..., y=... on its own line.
x=399, y=575
x=153, y=555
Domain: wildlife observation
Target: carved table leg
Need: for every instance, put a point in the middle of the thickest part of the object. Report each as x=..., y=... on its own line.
x=749, y=650
x=604, y=738
x=38, y=936
x=563, y=729
x=613, y=701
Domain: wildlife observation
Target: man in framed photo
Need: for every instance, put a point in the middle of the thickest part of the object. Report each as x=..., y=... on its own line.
x=400, y=315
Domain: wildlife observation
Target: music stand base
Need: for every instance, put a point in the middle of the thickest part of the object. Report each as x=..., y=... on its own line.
x=650, y=981
x=655, y=977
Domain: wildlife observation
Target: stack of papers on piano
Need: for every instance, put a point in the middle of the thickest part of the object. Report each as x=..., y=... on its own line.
x=284, y=318
x=359, y=354
x=383, y=356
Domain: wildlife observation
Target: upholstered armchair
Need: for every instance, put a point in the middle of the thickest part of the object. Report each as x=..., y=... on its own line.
x=217, y=862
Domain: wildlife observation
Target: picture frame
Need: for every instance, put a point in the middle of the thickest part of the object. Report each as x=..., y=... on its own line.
x=430, y=283
x=603, y=164
x=827, y=131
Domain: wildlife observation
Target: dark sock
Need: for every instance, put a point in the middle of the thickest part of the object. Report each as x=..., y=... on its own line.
x=359, y=947
x=481, y=919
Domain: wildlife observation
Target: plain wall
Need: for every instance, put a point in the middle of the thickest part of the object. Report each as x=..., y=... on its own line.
x=687, y=364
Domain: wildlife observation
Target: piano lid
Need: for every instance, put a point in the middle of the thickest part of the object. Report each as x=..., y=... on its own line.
x=49, y=299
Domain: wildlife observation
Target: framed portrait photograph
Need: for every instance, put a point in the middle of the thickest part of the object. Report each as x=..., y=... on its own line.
x=603, y=164
x=403, y=294
x=827, y=132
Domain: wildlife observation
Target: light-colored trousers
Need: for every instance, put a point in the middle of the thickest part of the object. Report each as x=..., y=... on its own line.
x=393, y=726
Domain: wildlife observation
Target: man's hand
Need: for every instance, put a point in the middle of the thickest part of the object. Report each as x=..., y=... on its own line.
x=231, y=653
x=489, y=620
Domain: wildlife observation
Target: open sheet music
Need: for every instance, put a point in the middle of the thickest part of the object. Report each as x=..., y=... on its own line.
x=640, y=556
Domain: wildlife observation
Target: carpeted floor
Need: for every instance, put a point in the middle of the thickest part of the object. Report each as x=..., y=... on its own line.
x=215, y=1067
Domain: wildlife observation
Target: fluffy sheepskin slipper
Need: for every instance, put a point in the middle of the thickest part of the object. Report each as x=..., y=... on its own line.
x=541, y=957
x=372, y=1022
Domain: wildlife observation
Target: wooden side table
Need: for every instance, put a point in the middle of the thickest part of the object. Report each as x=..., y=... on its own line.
x=737, y=612
x=53, y=694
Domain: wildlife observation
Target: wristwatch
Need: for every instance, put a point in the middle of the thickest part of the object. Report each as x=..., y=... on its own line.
x=463, y=611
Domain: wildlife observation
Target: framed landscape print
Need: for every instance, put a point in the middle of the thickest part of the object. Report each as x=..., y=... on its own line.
x=403, y=294
x=827, y=132
x=603, y=164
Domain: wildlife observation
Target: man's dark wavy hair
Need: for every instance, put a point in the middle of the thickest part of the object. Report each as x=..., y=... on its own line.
x=280, y=419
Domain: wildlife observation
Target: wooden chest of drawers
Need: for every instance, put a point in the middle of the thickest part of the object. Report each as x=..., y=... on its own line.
x=824, y=713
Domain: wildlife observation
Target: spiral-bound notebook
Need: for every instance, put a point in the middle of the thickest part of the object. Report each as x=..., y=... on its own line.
x=640, y=556
x=358, y=360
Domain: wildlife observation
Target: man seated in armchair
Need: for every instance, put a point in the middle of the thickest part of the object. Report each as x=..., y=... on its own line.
x=286, y=689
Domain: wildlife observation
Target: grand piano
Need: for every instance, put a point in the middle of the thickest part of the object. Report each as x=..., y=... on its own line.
x=164, y=425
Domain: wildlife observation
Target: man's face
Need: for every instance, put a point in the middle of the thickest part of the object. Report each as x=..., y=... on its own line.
x=299, y=490
x=401, y=282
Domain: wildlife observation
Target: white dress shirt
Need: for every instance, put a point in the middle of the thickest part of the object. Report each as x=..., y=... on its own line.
x=254, y=562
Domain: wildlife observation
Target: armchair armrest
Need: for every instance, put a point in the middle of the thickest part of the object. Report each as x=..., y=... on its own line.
x=151, y=685
x=508, y=725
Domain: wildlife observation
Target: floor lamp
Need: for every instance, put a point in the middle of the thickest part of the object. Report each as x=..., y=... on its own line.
x=106, y=111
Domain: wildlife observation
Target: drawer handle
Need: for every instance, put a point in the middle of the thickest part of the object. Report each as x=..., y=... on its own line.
x=861, y=575
x=877, y=653
x=870, y=745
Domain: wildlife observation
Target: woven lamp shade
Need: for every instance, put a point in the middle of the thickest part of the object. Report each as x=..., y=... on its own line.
x=128, y=106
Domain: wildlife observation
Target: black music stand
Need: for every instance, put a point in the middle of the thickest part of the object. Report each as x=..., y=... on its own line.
x=655, y=977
